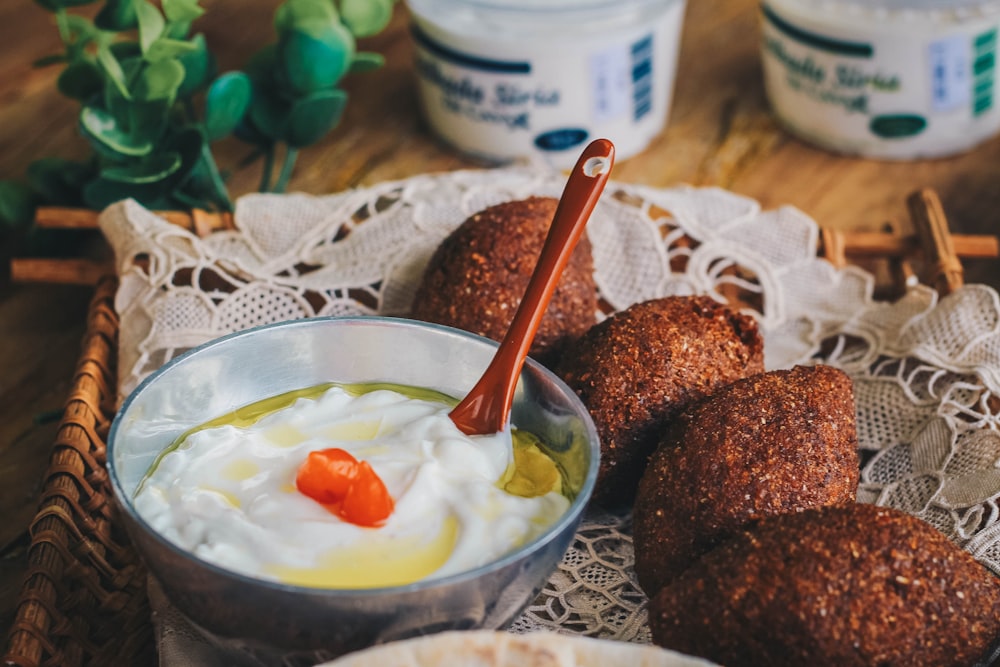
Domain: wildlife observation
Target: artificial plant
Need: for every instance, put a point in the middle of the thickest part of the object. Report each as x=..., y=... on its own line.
x=152, y=102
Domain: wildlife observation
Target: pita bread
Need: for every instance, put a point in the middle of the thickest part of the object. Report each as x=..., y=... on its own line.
x=486, y=648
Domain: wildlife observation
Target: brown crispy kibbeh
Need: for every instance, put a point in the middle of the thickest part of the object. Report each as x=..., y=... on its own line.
x=477, y=276
x=637, y=370
x=839, y=586
x=780, y=441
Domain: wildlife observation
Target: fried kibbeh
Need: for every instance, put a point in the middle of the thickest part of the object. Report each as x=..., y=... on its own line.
x=477, y=276
x=639, y=368
x=839, y=586
x=776, y=442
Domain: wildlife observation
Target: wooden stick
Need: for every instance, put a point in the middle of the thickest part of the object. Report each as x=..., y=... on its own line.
x=198, y=221
x=834, y=246
x=837, y=246
x=847, y=243
x=944, y=270
x=65, y=218
x=901, y=273
x=886, y=244
x=64, y=271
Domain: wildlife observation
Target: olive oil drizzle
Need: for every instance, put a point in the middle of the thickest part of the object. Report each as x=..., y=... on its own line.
x=532, y=473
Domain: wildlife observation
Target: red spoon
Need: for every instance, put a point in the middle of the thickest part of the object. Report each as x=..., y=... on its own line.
x=486, y=408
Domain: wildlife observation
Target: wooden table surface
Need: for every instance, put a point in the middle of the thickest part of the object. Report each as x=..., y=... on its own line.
x=720, y=133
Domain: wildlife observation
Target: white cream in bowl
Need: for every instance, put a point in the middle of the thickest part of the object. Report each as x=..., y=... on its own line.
x=227, y=492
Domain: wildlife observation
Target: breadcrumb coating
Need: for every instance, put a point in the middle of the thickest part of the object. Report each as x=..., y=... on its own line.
x=477, y=276
x=855, y=585
x=775, y=442
x=639, y=368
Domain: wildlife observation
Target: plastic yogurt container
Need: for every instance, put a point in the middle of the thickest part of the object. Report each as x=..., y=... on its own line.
x=892, y=79
x=538, y=79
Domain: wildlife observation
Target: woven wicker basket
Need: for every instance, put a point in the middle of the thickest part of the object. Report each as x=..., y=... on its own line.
x=84, y=601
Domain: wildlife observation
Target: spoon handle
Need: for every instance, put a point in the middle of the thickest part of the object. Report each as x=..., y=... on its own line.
x=486, y=408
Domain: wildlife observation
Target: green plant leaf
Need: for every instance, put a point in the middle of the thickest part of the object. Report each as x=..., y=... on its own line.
x=59, y=182
x=366, y=61
x=365, y=17
x=45, y=61
x=17, y=206
x=100, y=193
x=246, y=130
x=117, y=16
x=80, y=28
x=153, y=169
x=199, y=67
x=198, y=185
x=148, y=120
x=262, y=66
x=152, y=179
x=269, y=115
x=113, y=70
x=79, y=24
x=151, y=23
x=81, y=80
x=301, y=14
x=159, y=80
x=197, y=163
x=313, y=116
x=165, y=48
x=77, y=33
x=114, y=104
x=177, y=29
x=125, y=50
x=184, y=11
x=53, y=5
x=102, y=128
x=132, y=66
x=226, y=103
x=310, y=64
x=189, y=143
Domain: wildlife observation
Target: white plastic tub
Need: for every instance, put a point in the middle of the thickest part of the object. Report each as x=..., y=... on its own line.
x=538, y=79
x=892, y=79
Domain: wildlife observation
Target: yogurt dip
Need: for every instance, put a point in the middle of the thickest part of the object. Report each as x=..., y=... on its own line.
x=226, y=490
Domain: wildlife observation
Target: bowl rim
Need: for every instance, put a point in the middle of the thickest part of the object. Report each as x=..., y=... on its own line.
x=570, y=517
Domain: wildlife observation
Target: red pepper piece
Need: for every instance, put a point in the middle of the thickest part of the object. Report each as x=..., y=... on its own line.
x=348, y=488
x=326, y=475
x=367, y=502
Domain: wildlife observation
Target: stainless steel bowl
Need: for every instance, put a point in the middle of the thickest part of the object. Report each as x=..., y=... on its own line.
x=235, y=370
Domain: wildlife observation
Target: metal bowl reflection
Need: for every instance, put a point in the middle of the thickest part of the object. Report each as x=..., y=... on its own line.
x=224, y=374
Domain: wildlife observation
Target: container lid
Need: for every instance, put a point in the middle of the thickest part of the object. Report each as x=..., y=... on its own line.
x=943, y=9
x=562, y=6
x=539, y=14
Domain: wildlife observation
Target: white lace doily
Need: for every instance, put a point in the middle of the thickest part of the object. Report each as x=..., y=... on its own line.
x=926, y=372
